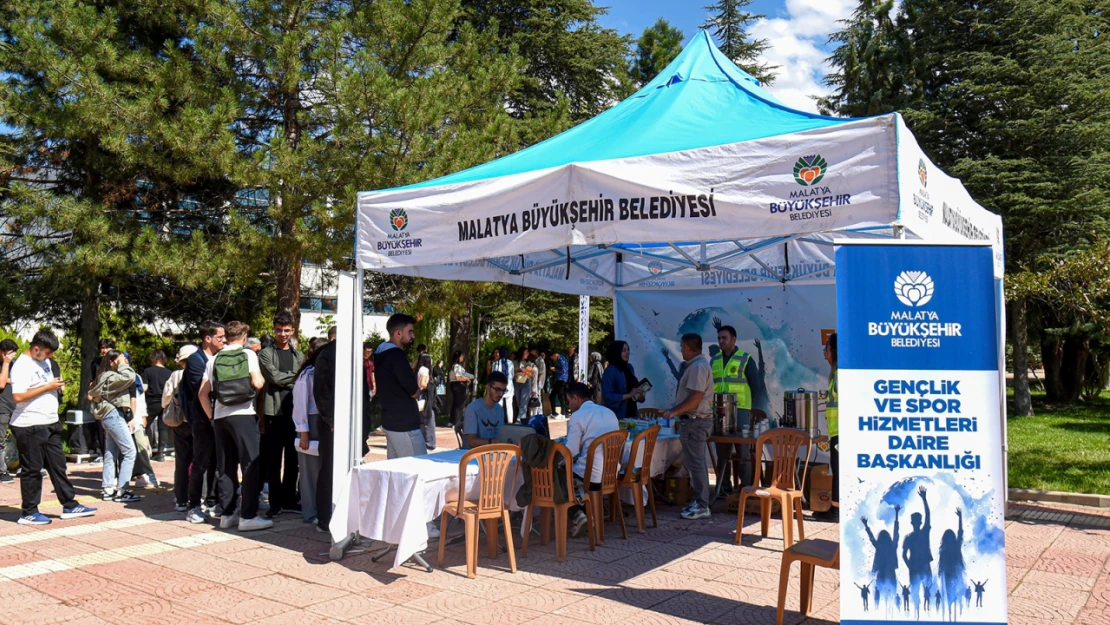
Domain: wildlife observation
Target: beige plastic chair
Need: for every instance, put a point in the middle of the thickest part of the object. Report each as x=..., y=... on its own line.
x=785, y=445
x=612, y=444
x=494, y=464
x=649, y=413
x=811, y=553
x=543, y=497
x=636, y=481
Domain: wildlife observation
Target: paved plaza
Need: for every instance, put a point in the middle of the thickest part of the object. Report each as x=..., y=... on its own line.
x=141, y=564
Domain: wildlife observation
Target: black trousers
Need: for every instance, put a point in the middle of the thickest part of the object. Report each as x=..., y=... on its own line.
x=559, y=390
x=4, y=419
x=458, y=402
x=238, y=440
x=41, y=446
x=182, y=459
x=204, y=461
x=323, y=482
x=277, y=445
x=834, y=467
x=158, y=434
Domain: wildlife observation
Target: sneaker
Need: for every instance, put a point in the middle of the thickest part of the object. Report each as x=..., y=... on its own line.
x=34, y=519
x=142, y=482
x=264, y=505
x=322, y=530
x=6, y=478
x=697, y=512
x=196, y=516
x=215, y=510
x=248, y=525
x=77, y=511
x=690, y=506
x=123, y=496
x=108, y=494
x=228, y=522
x=578, y=525
x=180, y=507
x=313, y=520
x=433, y=531
x=272, y=513
x=154, y=481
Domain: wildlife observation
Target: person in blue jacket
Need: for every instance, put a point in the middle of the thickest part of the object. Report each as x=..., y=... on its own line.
x=619, y=382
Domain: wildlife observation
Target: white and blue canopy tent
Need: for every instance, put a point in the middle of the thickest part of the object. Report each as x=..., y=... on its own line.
x=700, y=180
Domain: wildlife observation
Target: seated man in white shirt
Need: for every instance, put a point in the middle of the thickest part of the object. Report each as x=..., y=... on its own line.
x=587, y=422
x=484, y=416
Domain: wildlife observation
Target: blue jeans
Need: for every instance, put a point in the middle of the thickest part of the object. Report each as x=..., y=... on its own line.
x=117, y=442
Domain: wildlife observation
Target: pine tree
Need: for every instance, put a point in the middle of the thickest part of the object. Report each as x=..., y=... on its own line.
x=729, y=24
x=659, y=44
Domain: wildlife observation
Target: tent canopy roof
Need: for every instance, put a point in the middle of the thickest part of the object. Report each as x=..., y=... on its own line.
x=701, y=99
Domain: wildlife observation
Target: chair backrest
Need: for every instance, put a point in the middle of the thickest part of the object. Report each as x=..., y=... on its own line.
x=494, y=463
x=612, y=444
x=650, y=413
x=543, y=480
x=785, y=444
x=646, y=440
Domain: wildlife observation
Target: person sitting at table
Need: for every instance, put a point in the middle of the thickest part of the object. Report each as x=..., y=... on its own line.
x=694, y=402
x=618, y=383
x=587, y=422
x=484, y=416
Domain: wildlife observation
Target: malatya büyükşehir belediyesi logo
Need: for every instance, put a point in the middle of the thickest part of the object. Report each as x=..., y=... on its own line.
x=913, y=288
x=809, y=170
x=399, y=219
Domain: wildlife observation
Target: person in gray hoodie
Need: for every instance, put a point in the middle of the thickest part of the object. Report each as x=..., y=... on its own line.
x=111, y=400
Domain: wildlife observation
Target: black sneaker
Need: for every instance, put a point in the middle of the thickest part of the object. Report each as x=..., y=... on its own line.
x=6, y=478
x=126, y=497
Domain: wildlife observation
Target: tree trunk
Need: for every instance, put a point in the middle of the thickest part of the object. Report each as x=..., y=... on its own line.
x=89, y=334
x=1074, y=370
x=288, y=272
x=1052, y=356
x=459, y=336
x=1023, y=404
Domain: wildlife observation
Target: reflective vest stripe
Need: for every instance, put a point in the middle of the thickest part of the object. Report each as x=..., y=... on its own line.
x=832, y=407
x=730, y=378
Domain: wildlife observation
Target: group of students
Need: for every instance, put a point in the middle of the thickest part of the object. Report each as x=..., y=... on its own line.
x=537, y=382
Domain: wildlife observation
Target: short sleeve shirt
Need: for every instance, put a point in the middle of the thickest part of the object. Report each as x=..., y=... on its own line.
x=697, y=376
x=27, y=373
x=246, y=408
x=482, y=420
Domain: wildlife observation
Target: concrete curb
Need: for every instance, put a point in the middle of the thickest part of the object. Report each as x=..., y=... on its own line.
x=1051, y=496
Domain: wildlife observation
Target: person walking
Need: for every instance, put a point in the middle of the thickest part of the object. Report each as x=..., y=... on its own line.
x=694, y=404
x=38, y=433
x=233, y=378
x=458, y=379
x=111, y=404
x=156, y=376
x=424, y=400
x=280, y=363
x=213, y=336
x=182, y=432
x=306, y=423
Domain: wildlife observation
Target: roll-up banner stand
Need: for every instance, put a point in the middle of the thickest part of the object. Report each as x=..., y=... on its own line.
x=921, y=470
x=583, y=336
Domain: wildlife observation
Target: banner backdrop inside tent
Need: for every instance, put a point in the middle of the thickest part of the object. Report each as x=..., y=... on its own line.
x=780, y=328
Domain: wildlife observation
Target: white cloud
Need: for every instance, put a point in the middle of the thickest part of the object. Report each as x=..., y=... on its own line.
x=797, y=42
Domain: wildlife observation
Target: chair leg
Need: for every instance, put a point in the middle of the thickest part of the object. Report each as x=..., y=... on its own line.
x=561, y=533
x=599, y=512
x=618, y=512
x=591, y=521
x=740, y=518
x=471, y=544
x=784, y=583
x=798, y=516
x=491, y=538
x=807, y=588
x=545, y=526
x=787, y=522
x=638, y=503
x=509, y=540
x=764, y=515
x=651, y=502
x=442, y=536
x=526, y=529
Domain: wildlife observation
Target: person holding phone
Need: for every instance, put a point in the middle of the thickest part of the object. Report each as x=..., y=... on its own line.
x=111, y=405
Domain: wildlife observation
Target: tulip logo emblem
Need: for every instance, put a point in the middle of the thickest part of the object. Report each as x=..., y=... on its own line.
x=399, y=219
x=809, y=170
x=913, y=288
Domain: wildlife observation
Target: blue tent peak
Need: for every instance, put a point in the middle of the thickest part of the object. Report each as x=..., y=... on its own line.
x=701, y=99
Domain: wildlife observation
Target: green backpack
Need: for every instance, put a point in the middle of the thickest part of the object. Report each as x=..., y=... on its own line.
x=232, y=378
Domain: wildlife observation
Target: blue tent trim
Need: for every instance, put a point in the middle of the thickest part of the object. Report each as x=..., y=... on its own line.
x=700, y=100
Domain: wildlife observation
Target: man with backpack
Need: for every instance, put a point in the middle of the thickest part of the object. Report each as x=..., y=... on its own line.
x=234, y=378
x=173, y=416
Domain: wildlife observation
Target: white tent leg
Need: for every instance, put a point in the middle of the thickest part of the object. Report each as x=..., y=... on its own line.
x=348, y=409
x=583, y=336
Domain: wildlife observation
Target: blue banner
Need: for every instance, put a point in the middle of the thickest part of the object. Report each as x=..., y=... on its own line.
x=921, y=471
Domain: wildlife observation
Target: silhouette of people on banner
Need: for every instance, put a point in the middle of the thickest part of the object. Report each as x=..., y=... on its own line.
x=864, y=591
x=885, y=565
x=918, y=554
x=979, y=588
x=951, y=567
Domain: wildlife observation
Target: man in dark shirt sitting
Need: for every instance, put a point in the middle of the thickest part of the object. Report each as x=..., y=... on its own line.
x=397, y=390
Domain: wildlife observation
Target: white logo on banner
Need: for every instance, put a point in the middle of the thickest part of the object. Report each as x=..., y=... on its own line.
x=913, y=288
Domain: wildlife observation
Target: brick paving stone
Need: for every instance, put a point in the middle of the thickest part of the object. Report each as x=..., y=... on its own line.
x=599, y=611
x=68, y=585
x=1038, y=608
x=1058, y=580
x=287, y=590
x=347, y=607
x=446, y=603
x=540, y=599
x=498, y=615
x=250, y=611
x=399, y=615
x=1070, y=562
x=400, y=592
x=700, y=569
x=12, y=556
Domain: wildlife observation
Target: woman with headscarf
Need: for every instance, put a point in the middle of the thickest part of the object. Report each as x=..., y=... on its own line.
x=619, y=382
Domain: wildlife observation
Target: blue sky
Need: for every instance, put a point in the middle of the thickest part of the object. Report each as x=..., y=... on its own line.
x=798, y=31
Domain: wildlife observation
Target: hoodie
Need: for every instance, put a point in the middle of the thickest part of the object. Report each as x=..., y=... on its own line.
x=111, y=391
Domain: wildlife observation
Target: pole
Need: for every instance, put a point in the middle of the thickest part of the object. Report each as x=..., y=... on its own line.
x=583, y=335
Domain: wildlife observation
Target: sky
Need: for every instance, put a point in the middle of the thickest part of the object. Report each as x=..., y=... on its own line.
x=797, y=31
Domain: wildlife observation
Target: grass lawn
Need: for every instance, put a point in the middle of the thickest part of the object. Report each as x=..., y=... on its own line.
x=1065, y=448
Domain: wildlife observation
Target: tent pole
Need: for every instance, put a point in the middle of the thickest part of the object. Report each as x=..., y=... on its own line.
x=583, y=336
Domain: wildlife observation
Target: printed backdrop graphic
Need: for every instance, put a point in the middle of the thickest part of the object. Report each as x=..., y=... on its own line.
x=921, y=473
x=780, y=328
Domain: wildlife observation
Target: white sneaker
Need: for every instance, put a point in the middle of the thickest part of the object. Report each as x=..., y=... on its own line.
x=697, y=512
x=154, y=481
x=579, y=524
x=196, y=516
x=180, y=507
x=433, y=530
x=257, y=523
x=228, y=522
x=142, y=482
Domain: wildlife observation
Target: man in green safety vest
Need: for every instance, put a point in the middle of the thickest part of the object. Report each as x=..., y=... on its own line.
x=732, y=368
x=832, y=417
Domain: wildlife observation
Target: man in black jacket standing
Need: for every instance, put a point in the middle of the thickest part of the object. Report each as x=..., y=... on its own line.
x=397, y=390
x=204, y=437
x=323, y=391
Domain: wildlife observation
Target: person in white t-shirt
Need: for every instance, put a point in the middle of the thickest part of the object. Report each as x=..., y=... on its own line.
x=234, y=378
x=38, y=433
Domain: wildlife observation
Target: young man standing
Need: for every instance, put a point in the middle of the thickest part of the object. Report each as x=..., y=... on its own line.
x=38, y=433
x=323, y=391
x=484, y=416
x=397, y=390
x=234, y=378
x=694, y=403
x=280, y=363
x=8, y=352
x=204, y=437
x=561, y=370
x=156, y=376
